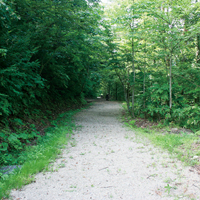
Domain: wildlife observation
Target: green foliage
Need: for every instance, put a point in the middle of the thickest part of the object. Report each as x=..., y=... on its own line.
x=29, y=130
x=132, y=122
x=12, y=144
x=50, y=53
x=188, y=116
x=155, y=54
x=37, y=158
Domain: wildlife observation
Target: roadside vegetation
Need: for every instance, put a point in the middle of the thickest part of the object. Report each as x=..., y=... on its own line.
x=181, y=143
x=50, y=55
x=34, y=159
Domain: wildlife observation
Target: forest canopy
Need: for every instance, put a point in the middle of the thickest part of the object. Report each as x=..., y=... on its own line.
x=49, y=51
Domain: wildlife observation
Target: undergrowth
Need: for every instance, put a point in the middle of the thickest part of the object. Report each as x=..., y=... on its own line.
x=26, y=129
x=36, y=158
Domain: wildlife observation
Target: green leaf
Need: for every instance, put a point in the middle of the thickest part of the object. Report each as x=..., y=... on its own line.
x=3, y=146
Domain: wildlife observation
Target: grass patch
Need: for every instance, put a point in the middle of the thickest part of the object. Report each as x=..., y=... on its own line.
x=184, y=146
x=180, y=145
x=37, y=158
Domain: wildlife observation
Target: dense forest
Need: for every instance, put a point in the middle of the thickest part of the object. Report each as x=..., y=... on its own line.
x=56, y=53
x=51, y=53
x=156, y=57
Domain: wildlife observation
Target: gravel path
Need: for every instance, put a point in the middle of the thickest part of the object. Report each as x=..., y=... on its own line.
x=106, y=161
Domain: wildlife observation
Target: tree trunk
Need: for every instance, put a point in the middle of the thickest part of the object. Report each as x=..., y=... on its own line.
x=133, y=87
x=126, y=94
x=170, y=83
x=133, y=68
x=144, y=78
x=144, y=85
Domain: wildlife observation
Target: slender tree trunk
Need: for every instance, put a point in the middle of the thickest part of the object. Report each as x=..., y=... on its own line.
x=133, y=87
x=126, y=95
x=144, y=88
x=133, y=68
x=144, y=84
x=198, y=57
x=144, y=79
x=126, y=92
x=170, y=83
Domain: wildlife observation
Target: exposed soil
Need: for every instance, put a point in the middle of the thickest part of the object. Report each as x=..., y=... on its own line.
x=105, y=160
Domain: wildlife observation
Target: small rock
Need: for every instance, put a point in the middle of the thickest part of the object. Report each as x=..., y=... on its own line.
x=195, y=157
x=9, y=169
x=174, y=130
